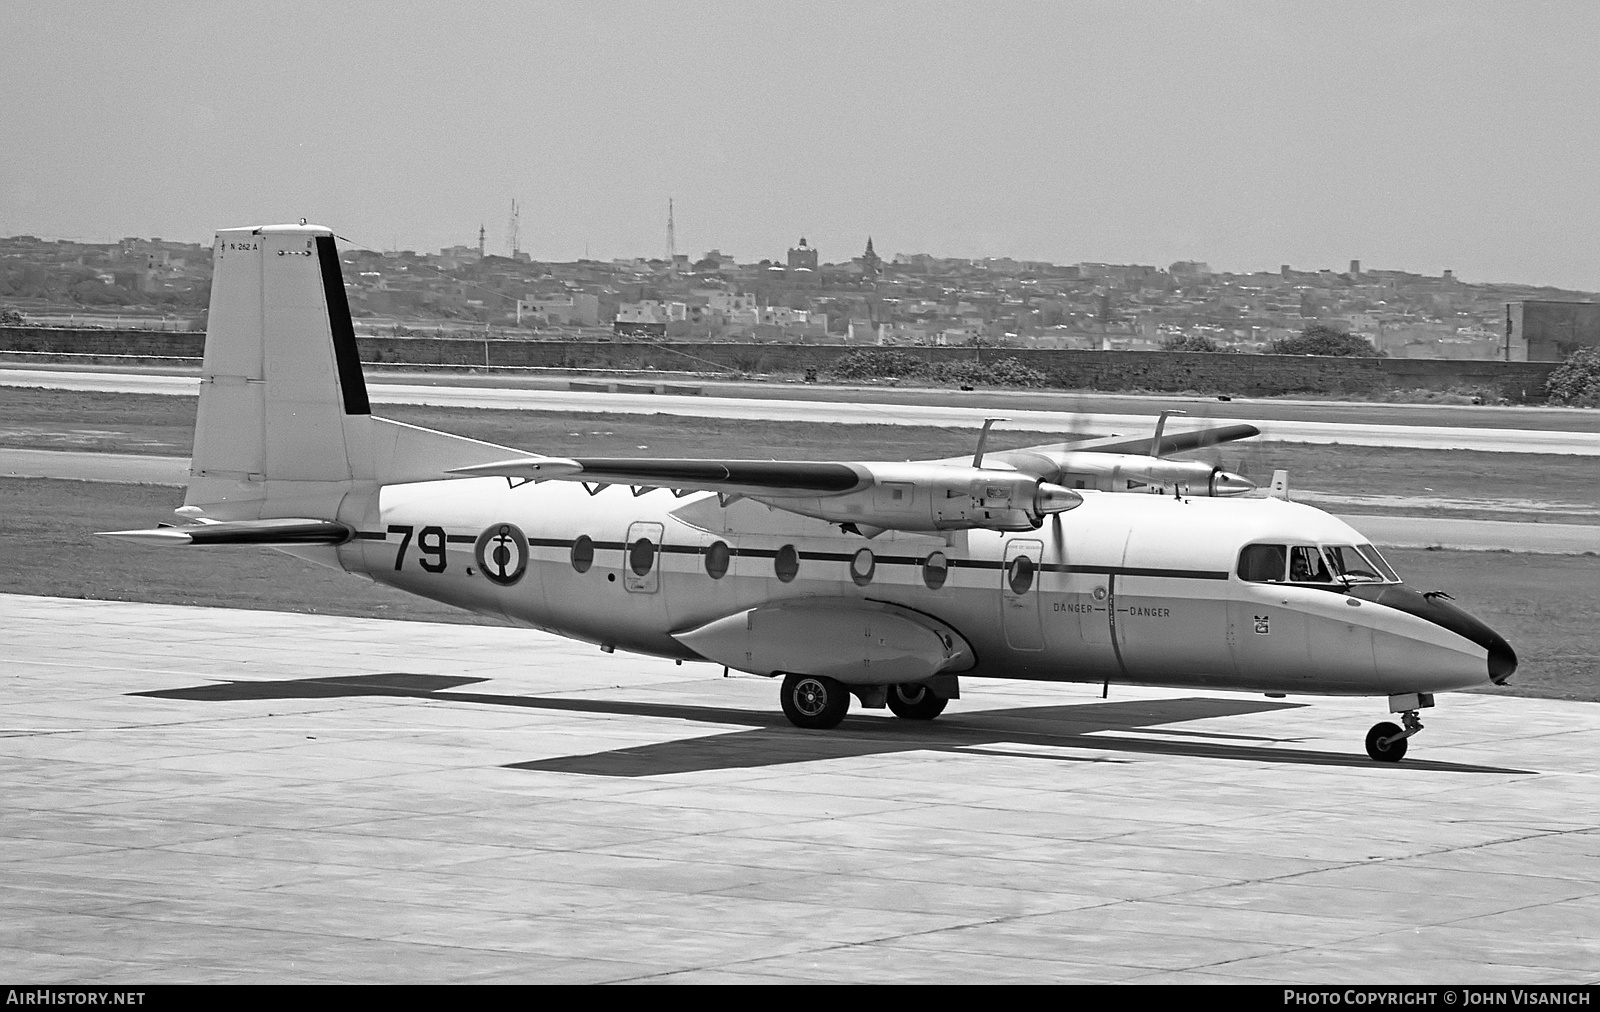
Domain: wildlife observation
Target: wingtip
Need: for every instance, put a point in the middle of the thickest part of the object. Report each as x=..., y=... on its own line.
x=155, y=536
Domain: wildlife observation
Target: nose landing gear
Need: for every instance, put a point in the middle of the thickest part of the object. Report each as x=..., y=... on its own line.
x=1387, y=743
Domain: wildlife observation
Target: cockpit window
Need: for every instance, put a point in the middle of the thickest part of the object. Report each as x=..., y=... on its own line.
x=1263, y=563
x=1329, y=564
x=1306, y=565
x=1351, y=566
x=1379, y=563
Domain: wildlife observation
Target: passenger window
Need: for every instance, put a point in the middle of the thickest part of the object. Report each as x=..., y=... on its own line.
x=862, y=566
x=935, y=570
x=717, y=557
x=641, y=556
x=582, y=553
x=1021, y=574
x=1306, y=565
x=1263, y=563
x=787, y=563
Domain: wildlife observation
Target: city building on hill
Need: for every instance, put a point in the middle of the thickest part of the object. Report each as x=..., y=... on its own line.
x=652, y=311
x=1542, y=330
x=869, y=264
x=714, y=262
x=802, y=269
x=729, y=303
x=452, y=257
x=578, y=309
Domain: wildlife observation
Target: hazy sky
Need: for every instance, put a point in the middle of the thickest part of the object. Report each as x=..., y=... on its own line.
x=1410, y=136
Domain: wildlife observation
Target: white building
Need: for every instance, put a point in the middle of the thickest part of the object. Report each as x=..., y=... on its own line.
x=729, y=303
x=579, y=309
x=652, y=311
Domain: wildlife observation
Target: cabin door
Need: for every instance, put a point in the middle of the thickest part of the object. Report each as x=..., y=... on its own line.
x=1019, y=594
x=641, y=558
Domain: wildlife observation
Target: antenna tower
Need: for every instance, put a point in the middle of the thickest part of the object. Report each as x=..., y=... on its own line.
x=672, y=237
x=514, y=229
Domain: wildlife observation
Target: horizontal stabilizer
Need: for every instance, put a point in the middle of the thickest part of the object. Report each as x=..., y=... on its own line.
x=280, y=532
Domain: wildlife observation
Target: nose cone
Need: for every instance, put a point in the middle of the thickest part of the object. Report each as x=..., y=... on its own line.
x=1228, y=483
x=1502, y=660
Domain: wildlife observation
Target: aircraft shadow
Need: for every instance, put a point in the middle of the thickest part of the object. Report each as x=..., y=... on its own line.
x=1089, y=730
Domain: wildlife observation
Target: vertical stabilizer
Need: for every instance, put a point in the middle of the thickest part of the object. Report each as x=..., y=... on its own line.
x=281, y=371
x=284, y=414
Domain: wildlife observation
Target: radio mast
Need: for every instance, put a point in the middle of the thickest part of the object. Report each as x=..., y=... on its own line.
x=672, y=238
x=514, y=229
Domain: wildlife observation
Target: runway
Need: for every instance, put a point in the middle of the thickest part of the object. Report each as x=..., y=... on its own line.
x=219, y=796
x=1385, y=531
x=81, y=465
x=864, y=412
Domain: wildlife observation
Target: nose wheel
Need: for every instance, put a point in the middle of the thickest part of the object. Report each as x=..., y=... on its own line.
x=1387, y=743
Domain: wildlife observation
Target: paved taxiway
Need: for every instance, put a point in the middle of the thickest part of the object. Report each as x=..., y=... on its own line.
x=208, y=795
x=864, y=412
x=1385, y=531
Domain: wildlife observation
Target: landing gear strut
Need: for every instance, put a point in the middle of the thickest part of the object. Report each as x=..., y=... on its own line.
x=1387, y=743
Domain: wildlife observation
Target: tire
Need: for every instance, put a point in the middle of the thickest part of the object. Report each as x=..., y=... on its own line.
x=814, y=702
x=915, y=702
x=1393, y=752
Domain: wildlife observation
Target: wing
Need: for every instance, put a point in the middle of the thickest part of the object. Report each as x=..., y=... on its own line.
x=1175, y=442
x=862, y=496
x=807, y=478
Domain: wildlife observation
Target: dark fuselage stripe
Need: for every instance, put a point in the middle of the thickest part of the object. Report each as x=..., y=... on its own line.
x=882, y=560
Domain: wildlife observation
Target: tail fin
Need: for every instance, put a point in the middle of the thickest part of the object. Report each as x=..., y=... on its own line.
x=284, y=426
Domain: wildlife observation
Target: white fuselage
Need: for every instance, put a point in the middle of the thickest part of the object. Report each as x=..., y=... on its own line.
x=1131, y=588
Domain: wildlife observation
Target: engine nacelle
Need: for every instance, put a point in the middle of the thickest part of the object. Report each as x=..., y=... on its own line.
x=1131, y=472
x=937, y=497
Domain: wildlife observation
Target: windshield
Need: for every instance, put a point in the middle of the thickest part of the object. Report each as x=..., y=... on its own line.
x=1350, y=565
x=1379, y=563
x=1311, y=564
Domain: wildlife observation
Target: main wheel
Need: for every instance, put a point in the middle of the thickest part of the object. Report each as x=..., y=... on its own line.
x=915, y=702
x=1390, y=753
x=814, y=702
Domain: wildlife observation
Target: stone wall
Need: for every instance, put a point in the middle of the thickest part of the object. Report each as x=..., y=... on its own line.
x=1246, y=375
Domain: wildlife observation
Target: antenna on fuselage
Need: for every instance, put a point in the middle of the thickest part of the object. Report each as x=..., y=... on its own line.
x=983, y=438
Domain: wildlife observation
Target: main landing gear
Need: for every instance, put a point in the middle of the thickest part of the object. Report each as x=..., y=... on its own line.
x=817, y=703
x=813, y=701
x=915, y=702
x=1387, y=743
